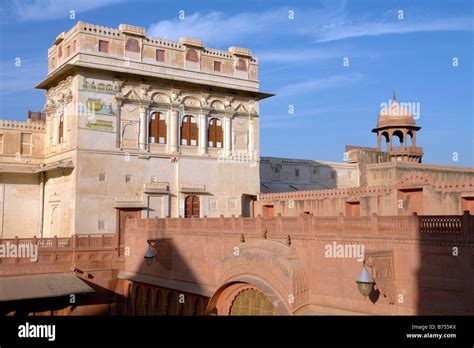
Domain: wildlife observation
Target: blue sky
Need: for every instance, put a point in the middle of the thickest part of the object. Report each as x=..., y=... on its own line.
x=301, y=60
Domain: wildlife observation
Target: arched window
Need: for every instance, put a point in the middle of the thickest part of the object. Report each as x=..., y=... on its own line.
x=397, y=138
x=385, y=144
x=61, y=129
x=189, y=131
x=409, y=139
x=241, y=64
x=215, y=134
x=132, y=45
x=191, y=206
x=148, y=303
x=198, y=306
x=157, y=129
x=129, y=300
x=138, y=301
x=159, y=303
x=192, y=55
x=172, y=304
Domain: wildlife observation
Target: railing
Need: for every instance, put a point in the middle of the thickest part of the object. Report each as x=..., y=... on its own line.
x=412, y=226
x=413, y=149
x=59, y=255
x=76, y=242
x=441, y=224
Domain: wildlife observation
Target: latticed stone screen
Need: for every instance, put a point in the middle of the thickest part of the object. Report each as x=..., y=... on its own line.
x=252, y=302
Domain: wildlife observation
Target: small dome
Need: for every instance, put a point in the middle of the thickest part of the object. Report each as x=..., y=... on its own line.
x=395, y=115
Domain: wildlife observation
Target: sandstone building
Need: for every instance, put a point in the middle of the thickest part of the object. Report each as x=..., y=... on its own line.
x=135, y=126
x=132, y=182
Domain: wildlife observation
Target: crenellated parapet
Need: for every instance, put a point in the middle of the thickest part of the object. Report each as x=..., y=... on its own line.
x=128, y=47
x=19, y=125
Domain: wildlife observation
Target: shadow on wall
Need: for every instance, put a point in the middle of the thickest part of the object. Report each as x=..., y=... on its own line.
x=164, y=283
x=446, y=259
x=280, y=175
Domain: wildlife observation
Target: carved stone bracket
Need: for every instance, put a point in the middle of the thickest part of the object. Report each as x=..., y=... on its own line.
x=381, y=266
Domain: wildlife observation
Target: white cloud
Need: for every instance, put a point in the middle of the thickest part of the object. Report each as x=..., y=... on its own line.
x=347, y=30
x=36, y=10
x=298, y=55
x=216, y=28
x=321, y=25
x=314, y=85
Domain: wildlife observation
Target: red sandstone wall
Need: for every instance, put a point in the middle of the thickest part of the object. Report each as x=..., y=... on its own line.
x=412, y=259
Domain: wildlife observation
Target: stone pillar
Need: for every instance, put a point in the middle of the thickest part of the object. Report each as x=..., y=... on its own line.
x=202, y=134
x=173, y=131
x=379, y=141
x=119, y=125
x=251, y=144
x=228, y=136
x=142, y=139
x=390, y=139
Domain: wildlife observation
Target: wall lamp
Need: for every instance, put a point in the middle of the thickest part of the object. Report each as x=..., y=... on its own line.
x=149, y=255
x=365, y=282
x=160, y=250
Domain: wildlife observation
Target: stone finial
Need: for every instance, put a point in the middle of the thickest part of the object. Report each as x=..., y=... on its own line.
x=242, y=238
x=264, y=234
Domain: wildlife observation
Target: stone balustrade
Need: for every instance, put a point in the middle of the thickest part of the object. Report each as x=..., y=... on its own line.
x=337, y=192
x=60, y=254
x=310, y=226
x=411, y=149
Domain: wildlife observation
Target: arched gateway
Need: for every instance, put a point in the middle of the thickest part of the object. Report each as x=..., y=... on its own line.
x=266, y=278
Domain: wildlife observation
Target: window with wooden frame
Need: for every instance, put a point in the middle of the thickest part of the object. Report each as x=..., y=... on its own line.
x=157, y=129
x=68, y=51
x=217, y=65
x=191, y=206
x=215, y=134
x=160, y=55
x=25, y=144
x=61, y=129
x=189, y=131
x=103, y=46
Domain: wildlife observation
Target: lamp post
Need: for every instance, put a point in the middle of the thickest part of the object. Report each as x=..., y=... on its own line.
x=365, y=282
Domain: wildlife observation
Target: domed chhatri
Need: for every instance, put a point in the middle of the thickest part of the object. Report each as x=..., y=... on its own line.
x=395, y=114
x=396, y=120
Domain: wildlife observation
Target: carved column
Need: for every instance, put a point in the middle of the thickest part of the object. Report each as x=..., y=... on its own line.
x=173, y=131
x=251, y=144
x=228, y=136
x=142, y=139
x=202, y=133
x=119, y=123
